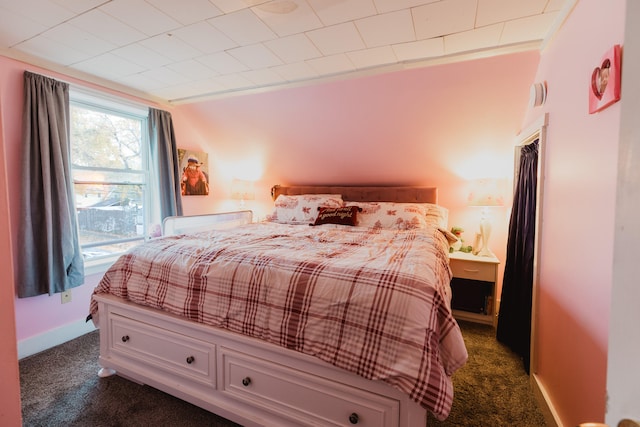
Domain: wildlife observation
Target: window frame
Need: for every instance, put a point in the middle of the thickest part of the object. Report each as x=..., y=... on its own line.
x=96, y=101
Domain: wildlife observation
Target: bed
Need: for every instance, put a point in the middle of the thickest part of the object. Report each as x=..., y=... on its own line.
x=279, y=323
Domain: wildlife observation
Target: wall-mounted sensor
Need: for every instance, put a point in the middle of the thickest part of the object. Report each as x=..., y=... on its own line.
x=537, y=94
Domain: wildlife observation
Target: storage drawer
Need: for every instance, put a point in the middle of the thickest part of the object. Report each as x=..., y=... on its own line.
x=172, y=352
x=306, y=399
x=464, y=269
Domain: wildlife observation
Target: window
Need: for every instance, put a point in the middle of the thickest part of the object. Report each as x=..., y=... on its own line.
x=109, y=164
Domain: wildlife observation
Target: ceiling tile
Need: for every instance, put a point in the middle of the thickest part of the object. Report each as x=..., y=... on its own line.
x=228, y=6
x=187, y=11
x=43, y=12
x=294, y=48
x=256, y=56
x=302, y=18
x=100, y=23
x=78, y=39
x=372, y=57
x=526, y=29
x=334, y=64
x=481, y=38
x=251, y=3
x=265, y=77
x=193, y=69
x=223, y=63
x=15, y=28
x=165, y=75
x=296, y=72
x=555, y=5
x=50, y=50
x=78, y=6
x=243, y=27
x=109, y=66
x=141, y=55
x=445, y=17
x=421, y=49
x=140, y=15
x=389, y=28
x=140, y=82
x=205, y=38
x=172, y=47
x=193, y=88
x=337, y=39
x=337, y=12
x=493, y=11
x=385, y=6
x=232, y=81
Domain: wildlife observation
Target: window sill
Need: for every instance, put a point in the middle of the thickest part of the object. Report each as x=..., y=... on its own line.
x=98, y=266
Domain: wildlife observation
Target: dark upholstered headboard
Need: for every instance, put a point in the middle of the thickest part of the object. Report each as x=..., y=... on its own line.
x=400, y=194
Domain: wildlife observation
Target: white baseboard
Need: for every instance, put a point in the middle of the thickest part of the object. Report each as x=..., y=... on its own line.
x=544, y=402
x=54, y=337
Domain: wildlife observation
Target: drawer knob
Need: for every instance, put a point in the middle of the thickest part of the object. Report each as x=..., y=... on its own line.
x=125, y=338
x=246, y=381
x=353, y=418
x=190, y=360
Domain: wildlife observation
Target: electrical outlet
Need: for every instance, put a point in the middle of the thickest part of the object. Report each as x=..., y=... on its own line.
x=66, y=297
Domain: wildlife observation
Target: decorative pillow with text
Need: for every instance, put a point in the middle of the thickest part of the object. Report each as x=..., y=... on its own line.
x=346, y=215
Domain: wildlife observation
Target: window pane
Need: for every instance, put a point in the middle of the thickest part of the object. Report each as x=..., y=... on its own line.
x=108, y=167
x=100, y=139
x=108, y=214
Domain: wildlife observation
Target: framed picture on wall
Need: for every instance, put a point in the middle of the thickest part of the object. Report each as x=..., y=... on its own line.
x=195, y=172
x=604, y=89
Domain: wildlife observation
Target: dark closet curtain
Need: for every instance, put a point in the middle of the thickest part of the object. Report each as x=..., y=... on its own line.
x=514, y=321
x=49, y=255
x=164, y=154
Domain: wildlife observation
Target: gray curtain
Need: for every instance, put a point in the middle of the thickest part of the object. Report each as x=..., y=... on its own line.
x=514, y=321
x=164, y=154
x=49, y=255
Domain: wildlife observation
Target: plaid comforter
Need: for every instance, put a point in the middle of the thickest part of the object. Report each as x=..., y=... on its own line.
x=371, y=301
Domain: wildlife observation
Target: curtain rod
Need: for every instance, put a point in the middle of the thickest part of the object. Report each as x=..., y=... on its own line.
x=103, y=93
x=49, y=77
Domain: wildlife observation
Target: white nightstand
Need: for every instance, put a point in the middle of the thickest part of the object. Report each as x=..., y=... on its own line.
x=474, y=287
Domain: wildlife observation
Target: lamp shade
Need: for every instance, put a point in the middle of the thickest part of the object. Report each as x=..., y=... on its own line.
x=242, y=190
x=486, y=192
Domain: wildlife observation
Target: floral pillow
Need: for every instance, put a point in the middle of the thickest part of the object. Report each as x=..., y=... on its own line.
x=399, y=216
x=302, y=209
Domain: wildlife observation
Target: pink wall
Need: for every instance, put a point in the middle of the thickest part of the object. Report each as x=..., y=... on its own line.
x=578, y=216
x=10, y=409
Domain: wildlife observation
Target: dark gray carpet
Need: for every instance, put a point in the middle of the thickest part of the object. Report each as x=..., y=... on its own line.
x=492, y=389
x=60, y=387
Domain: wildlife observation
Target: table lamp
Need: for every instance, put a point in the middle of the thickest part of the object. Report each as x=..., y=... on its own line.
x=485, y=193
x=242, y=190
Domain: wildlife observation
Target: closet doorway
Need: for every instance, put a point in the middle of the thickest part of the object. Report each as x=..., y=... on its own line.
x=518, y=305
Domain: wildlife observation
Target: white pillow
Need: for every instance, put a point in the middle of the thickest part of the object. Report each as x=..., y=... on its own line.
x=437, y=214
x=302, y=209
